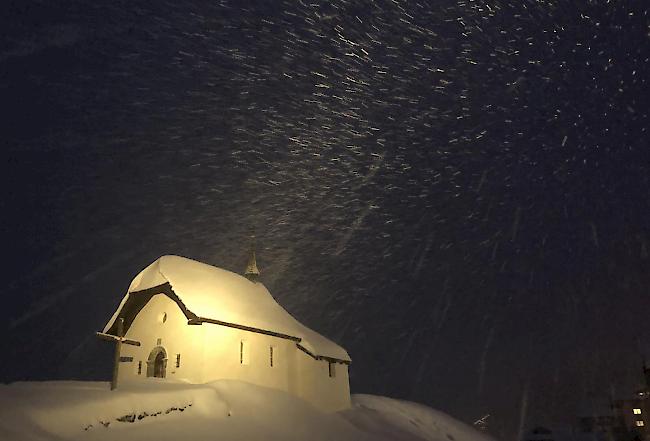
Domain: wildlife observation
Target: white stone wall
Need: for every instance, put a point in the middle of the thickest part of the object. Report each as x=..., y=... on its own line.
x=212, y=352
x=175, y=336
x=222, y=357
x=316, y=385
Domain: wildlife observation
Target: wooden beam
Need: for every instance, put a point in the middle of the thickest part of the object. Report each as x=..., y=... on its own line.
x=306, y=351
x=111, y=337
x=321, y=357
x=297, y=340
x=118, y=347
x=119, y=340
x=138, y=299
x=245, y=328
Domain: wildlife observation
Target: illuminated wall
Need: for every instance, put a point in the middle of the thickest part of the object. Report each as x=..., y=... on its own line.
x=161, y=323
x=211, y=352
x=317, y=386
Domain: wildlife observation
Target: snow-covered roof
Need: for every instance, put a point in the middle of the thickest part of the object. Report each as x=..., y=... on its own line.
x=217, y=294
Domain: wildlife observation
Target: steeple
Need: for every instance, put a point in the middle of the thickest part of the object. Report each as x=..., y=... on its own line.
x=251, y=272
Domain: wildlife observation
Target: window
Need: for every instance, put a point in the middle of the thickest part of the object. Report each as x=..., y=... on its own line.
x=178, y=360
x=271, y=353
x=636, y=411
x=639, y=423
x=140, y=367
x=159, y=342
x=162, y=318
x=244, y=353
x=332, y=370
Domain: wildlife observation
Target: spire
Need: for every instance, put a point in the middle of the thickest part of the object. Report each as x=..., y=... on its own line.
x=252, y=273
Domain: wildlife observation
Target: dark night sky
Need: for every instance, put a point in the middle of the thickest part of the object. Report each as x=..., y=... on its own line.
x=456, y=191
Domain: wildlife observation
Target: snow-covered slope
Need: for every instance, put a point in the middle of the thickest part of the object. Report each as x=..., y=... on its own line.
x=226, y=410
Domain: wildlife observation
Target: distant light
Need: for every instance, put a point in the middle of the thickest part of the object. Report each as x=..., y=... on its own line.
x=639, y=423
x=636, y=411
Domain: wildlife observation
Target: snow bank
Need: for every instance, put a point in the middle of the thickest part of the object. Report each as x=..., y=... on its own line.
x=68, y=408
x=404, y=420
x=221, y=410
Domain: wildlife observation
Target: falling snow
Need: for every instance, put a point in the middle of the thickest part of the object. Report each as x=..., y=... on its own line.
x=455, y=190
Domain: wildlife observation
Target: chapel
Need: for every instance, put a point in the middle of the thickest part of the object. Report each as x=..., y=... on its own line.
x=185, y=320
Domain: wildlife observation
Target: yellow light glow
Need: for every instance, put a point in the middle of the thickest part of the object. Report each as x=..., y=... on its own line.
x=241, y=333
x=636, y=411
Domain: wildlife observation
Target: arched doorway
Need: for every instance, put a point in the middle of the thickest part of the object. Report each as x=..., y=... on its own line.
x=157, y=362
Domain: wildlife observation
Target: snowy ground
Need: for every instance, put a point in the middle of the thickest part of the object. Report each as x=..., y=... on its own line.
x=223, y=410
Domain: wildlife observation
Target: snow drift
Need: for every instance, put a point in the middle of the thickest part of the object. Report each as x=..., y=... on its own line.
x=221, y=410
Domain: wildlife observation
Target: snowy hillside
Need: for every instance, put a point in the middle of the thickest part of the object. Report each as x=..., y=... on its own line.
x=225, y=410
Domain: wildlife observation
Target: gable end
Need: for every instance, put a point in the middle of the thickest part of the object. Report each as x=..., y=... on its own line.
x=138, y=299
